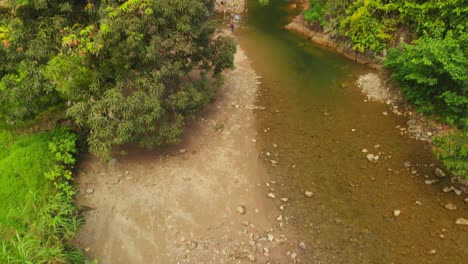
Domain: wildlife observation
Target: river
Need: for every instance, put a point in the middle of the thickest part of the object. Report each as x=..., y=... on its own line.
x=319, y=130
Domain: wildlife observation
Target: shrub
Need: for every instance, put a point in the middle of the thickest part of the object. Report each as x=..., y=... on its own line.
x=433, y=75
x=451, y=147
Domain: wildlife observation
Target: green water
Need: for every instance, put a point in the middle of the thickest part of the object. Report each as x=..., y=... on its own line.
x=311, y=117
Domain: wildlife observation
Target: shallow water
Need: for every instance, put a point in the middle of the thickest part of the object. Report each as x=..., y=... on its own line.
x=310, y=117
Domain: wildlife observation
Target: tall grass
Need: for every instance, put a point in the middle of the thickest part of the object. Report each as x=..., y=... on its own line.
x=38, y=218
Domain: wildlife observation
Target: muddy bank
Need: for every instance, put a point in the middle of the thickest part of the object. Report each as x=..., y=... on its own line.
x=208, y=200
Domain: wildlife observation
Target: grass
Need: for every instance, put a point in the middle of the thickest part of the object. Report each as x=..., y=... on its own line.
x=23, y=161
x=38, y=218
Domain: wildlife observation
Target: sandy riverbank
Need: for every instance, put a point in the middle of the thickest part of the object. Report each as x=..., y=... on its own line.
x=204, y=201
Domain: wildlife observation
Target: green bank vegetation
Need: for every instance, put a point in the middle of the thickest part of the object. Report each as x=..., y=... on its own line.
x=427, y=44
x=116, y=72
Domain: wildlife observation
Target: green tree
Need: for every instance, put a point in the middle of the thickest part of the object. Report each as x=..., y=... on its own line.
x=130, y=71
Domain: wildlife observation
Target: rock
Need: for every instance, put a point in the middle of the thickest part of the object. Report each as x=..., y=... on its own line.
x=251, y=257
x=370, y=157
x=241, y=209
x=376, y=157
x=284, y=199
x=302, y=245
x=182, y=150
x=450, y=206
x=275, y=145
x=89, y=190
x=407, y=164
x=353, y=130
x=396, y=213
x=429, y=182
x=293, y=255
x=309, y=193
x=384, y=113
x=446, y=189
x=461, y=221
x=270, y=237
x=439, y=173
x=364, y=151
x=271, y=195
x=431, y=252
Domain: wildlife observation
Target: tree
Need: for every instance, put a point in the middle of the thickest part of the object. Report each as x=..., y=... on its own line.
x=124, y=68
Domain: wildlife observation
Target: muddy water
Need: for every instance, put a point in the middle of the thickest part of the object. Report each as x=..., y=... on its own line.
x=310, y=117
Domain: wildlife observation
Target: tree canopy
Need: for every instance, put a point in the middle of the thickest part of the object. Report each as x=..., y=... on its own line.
x=120, y=67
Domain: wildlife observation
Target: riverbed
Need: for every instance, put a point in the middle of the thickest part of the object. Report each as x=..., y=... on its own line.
x=315, y=134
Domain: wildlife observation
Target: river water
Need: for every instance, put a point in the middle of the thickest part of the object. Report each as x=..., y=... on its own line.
x=310, y=119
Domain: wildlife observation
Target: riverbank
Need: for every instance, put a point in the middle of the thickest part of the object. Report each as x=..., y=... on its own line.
x=208, y=200
x=378, y=87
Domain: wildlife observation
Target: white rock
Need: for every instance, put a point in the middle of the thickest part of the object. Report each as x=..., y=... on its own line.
x=271, y=195
x=461, y=221
x=279, y=218
x=309, y=193
x=370, y=157
x=439, y=173
x=293, y=255
x=241, y=209
x=270, y=237
x=396, y=212
x=284, y=199
x=302, y=245
x=364, y=151
x=384, y=113
x=89, y=190
x=251, y=257
x=182, y=150
x=431, y=252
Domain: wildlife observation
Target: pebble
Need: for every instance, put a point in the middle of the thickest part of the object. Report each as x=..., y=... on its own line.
x=431, y=252
x=302, y=245
x=354, y=130
x=309, y=193
x=461, y=221
x=384, y=113
x=293, y=255
x=284, y=199
x=271, y=195
x=241, y=209
x=428, y=182
x=89, y=190
x=439, y=173
x=182, y=150
x=364, y=151
x=450, y=206
x=396, y=212
x=251, y=257
x=275, y=145
x=370, y=157
x=270, y=237
x=279, y=218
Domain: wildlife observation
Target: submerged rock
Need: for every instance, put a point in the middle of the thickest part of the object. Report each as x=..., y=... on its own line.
x=450, y=206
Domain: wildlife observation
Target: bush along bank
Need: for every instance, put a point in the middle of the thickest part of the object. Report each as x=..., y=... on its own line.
x=47, y=236
x=423, y=45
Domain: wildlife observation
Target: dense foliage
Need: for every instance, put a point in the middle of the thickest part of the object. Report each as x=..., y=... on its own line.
x=37, y=221
x=431, y=67
x=129, y=71
x=452, y=148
